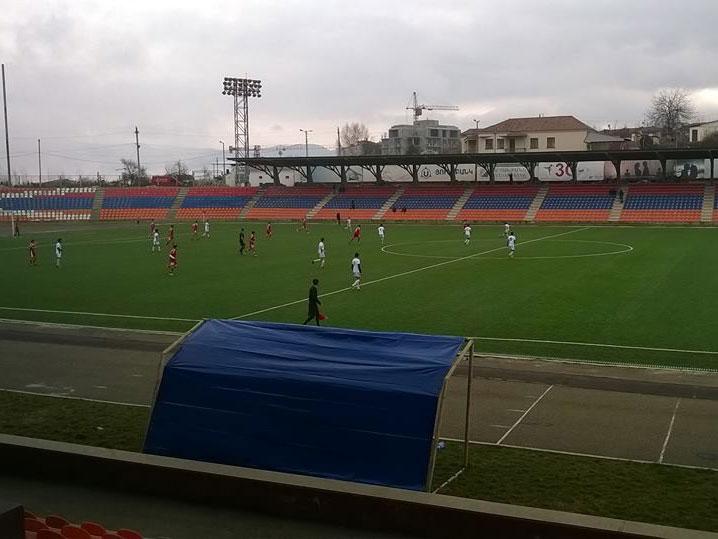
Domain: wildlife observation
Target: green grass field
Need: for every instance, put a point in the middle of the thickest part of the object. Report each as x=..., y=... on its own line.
x=638, y=289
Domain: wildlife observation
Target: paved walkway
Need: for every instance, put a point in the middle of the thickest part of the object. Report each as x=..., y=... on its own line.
x=652, y=415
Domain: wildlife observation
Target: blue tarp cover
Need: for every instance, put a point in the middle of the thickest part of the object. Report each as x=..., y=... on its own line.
x=329, y=402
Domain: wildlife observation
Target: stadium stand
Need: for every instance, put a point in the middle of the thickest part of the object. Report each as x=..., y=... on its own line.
x=215, y=202
x=137, y=203
x=367, y=200
x=577, y=203
x=425, y=202
x=279, y=202
x=663, y=203
x=498, y=203
x=54, y=526
x=62, y=204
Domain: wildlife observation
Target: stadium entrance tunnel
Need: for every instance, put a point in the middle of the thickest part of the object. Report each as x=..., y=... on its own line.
x=335, y=403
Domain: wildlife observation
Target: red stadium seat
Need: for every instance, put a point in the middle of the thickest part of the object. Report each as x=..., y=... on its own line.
x=49, y=534
x=55, y=522
x=34, y=525
x=75, y=532
x=93, y=528
x=128, y=534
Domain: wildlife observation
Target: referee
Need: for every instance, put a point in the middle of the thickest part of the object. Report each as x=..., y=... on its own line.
x=314, y=303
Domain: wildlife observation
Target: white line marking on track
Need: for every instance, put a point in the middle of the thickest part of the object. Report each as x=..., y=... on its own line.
x=516, y=411
x=670, y=431
x=85, y=326
x=66, y=397
x=500, y=426
x=409, y=272
x=527, y=412
x=599, y=345
x=108, y=315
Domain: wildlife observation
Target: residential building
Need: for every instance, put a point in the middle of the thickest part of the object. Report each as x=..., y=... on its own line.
x=362, y=147
x=535, y=134
x=640, y=137
x=698, y=131
x=423, y=137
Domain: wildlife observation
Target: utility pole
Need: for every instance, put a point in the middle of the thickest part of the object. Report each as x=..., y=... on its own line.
x=306, y=141
x=7, y=136
x=137, y=143
x=39, y=162
x=224, y=162
x=476, y=167
x=339, y=143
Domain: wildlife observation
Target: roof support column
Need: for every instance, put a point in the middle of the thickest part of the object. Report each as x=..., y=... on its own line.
x=530, y=167
x=617, y=166
x=309, y=177
x=275, y=175
x=712, y=167
x=573, y=165
x=489, y=168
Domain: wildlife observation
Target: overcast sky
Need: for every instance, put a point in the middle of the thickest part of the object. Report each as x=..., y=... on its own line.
x=82, y=74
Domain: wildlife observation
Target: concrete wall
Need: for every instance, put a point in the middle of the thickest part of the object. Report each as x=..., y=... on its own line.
x=337, y=502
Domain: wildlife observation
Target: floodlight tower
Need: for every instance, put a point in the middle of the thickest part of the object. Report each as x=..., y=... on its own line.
x=241, y=90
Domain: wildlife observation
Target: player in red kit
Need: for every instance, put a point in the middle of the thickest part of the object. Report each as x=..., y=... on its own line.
x=171, y=235
x=32, y=248
x=356, y=235
x=195, y=230
x=172, y=263
x=253, y=244
x=269, y=231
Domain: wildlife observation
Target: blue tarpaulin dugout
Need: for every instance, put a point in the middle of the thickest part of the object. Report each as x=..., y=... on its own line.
x=329, y=402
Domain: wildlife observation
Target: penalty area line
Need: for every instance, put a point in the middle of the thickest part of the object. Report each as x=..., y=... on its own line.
x=409, y=272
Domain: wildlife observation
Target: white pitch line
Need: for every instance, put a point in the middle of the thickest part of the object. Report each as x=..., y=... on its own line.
x=108, y=315
x=409, y=272
x=67, y=397
x=527, y=412
x=670, y=431
x=85, y=326
x=599, y=345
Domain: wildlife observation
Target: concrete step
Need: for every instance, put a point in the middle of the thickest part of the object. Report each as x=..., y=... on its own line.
x=177, y=203
x=389, y=203
x=459, y=204
x=536, y=203
x=709, y=203
x=97, y=203
x=320, y=205
x=249, y=205
x=617, y=208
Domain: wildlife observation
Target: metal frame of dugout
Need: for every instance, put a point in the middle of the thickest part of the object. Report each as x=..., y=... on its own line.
x=466, y=353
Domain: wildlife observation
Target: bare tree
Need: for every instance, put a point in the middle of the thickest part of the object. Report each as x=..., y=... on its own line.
x=670, y=110
x=131, y=174
x=353, y=133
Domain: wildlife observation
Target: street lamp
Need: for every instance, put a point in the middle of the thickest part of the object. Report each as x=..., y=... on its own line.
x=306, y=140
x=476, y=166
x=224, y=162
x=241, y=90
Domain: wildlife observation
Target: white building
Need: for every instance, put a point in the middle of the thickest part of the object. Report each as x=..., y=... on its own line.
x=698, y=131
x=423, y=137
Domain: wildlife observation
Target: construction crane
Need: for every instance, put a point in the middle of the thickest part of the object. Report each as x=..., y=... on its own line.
x=417, y=109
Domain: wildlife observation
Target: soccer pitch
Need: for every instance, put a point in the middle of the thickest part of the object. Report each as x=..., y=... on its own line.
x=633, y=295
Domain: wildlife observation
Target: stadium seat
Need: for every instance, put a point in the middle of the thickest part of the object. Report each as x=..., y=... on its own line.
x=29, y=514
x=34, y=525
x=588, y=203
x=75, y=532
x=498, y=203
x=128, y=534
x=59, y=204
x=93, y=528
x=55, y=522
x=663, y=203
x=49, y=534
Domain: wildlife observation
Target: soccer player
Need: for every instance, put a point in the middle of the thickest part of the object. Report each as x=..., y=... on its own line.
x=170, y=235
x=156, y=241
x=253, y=244
x=321, y=253
x=507, y=230
x=511, y=243
x=32, y=248
x=268, y=232
x=205, y=234
x=172, y=264
x=339, y=219
x=241, y=241
x=381, y=233
x=195, y=230
x=314, y=303
x=349, y=223
x=153, y=227
x=58, y=252
x=356, y=235
x=356, y=271
x=467, y=234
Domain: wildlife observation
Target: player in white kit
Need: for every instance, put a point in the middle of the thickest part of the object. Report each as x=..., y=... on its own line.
x=356, y=271
x=156, y=241
x=467, y=234
x=321, y=253
x=381, y=233
x=206, y=229
x=349, y=223
x=507, y=230
x=58, y=252
x=511, y=243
